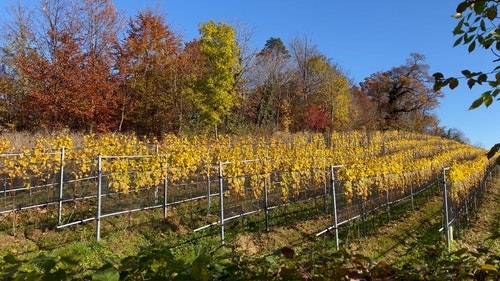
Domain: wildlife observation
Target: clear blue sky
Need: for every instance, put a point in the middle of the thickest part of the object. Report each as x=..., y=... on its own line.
x=363, y=37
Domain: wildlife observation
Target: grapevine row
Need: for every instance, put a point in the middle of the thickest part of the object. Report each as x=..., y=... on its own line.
x=385, y=160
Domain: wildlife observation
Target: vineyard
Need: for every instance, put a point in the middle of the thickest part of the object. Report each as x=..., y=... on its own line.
x=346, y=174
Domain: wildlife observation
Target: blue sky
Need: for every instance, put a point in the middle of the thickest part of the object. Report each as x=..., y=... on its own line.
x=362, y=37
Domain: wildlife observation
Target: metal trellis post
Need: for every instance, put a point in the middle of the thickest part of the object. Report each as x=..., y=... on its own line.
x=266, y=204
x=61, y=183
x=99, y=186
x=165, y=193
x=445, y=206
x=221, y=203
x=208, y=191
x=334, y=207
x=387, y=207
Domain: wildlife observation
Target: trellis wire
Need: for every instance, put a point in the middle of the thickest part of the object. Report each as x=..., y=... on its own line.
x=453, y=210
x=266, y=206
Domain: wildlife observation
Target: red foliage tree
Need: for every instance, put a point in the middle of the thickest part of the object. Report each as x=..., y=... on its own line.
x=315, y=119
x=69, y=79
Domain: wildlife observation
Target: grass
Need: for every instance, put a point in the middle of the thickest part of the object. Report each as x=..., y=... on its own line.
x=484, y=230
x=414, y=235
x=408, y=235
x=404, y=236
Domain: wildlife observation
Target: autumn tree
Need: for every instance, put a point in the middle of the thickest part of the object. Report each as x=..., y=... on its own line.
x=67, y=85
x=302, y=80
x=315, y=119
x=319, y=84
x=247, y=55
x=331, y=94
x=403, y=96
x=190, y=65
x=365, y=110
x=268, y=77
x=99, y=25
x=17, y=39
x=303, y=52
x=147, y=66
x=455, y=134
x=7, y=87
x=214, y=91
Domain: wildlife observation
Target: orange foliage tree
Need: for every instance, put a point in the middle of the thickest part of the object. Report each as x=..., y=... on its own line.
x=403, y=96
x=147, y=60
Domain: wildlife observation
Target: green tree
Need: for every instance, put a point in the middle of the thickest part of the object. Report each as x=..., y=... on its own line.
x=214, y=92
x=478, y=26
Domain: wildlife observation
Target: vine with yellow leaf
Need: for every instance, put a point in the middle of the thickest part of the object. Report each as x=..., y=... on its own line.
x=382, y=160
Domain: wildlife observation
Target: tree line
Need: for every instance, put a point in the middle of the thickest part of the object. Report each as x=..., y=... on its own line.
x=77, y=65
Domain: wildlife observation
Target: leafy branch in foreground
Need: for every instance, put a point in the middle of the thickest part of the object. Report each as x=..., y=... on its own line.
x=495, y=149
x=478, y=26
x=224, y=263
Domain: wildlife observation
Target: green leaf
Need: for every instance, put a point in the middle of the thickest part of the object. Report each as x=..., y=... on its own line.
x=453, y=83
x=487, y=43
x=458, y=28
x=482, y=78
x=471, y=83
x=467, y=38
x=491, y=12
x=461, y=252
x=109, y=274
x=458, y=41
x=476, y=103
x=59, y=274
x=466, y=73
x=482, y=25
x=472, y=46
x=437, y=86
x=488, y=100
x=199, y=268
x=11, y=259
x=495, y=34
x=462, y=6
x=480, y=39
x=478, y=7
x=439, y=76
x=495, y=93
x=489, y=268
x=472, y=29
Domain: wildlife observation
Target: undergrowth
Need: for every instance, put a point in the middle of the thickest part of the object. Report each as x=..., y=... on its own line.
x=408, y=247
